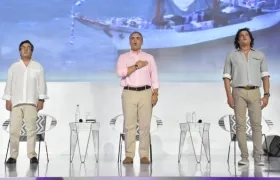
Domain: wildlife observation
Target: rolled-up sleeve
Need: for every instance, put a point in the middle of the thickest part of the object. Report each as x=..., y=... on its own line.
x=8, y=89
x=264, y=68
x=42, y=85
x=227, y=67
x=121, y=67
x=154, y=74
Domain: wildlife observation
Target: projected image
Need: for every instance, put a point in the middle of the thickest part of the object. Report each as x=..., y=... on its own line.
x=185, y=22
x=80, y=40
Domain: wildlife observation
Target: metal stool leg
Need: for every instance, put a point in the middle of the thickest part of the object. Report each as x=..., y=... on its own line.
x=228, y=151
x=120, y=149
x=39, y=150
x=7, y=151
x=151, y=152
x=47, y=153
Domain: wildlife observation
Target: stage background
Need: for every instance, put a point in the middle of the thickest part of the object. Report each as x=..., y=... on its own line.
x=84, y=73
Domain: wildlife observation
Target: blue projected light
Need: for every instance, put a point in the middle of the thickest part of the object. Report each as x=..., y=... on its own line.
x=80, y=40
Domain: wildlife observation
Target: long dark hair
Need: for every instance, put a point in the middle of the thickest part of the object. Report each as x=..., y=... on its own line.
x=236, y=43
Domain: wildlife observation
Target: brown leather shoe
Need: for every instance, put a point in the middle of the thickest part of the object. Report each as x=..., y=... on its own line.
x=144, y=160
x=128, y=160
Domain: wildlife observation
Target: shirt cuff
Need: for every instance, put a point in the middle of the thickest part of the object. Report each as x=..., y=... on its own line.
x=122, y=72
x=265, y=74
x=43, y=96
x=155, y=85
x=227, y=76
x=7, y=97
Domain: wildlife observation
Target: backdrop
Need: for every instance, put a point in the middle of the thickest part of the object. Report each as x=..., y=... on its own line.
x=80, y=40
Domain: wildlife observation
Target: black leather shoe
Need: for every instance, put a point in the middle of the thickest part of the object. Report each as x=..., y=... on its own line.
x=34, y=160
x=11, y=161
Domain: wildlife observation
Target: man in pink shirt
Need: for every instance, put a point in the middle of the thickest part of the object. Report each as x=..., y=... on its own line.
x=138, y=72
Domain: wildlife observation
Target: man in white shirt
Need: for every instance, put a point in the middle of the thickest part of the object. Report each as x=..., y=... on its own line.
x=25, y=93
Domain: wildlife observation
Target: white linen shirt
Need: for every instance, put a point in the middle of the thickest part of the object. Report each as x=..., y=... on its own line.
x=25, y=84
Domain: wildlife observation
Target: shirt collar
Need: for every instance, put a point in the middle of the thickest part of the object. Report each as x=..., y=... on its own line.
x=21, y=61
x=252, y=49
x=135, y=52
x=30, y=59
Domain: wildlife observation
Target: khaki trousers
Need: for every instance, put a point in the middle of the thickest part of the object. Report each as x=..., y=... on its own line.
x=250, y=99
x=137, y=107
x=18, y=114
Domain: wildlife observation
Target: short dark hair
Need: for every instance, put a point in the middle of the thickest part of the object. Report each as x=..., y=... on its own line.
x=236, y=43
x=28, y=42
x=136, y=32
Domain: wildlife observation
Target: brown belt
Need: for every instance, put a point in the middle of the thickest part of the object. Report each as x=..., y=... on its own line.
x=248, y=87
x=142, y=88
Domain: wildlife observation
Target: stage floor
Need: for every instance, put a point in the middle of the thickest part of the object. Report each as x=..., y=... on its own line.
x=59, y=166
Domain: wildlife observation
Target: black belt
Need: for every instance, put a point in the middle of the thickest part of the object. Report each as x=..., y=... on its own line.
x=248, y=87
x=142, y=88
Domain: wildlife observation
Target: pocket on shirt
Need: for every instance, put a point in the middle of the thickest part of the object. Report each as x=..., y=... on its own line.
x=255, y=62
x=34, y=73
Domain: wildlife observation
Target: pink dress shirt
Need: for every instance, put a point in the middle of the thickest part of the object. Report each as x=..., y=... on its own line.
x=141, y=77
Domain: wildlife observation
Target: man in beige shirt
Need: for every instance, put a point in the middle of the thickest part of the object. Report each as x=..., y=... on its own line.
x=244, y=70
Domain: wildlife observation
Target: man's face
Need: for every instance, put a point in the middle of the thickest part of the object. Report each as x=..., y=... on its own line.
x=25, y=50
x=244, y=38
x=136, y=42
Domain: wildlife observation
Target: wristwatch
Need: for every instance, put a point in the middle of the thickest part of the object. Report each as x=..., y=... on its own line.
x=267, y=94
x=42, y=100
x=136, y=66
